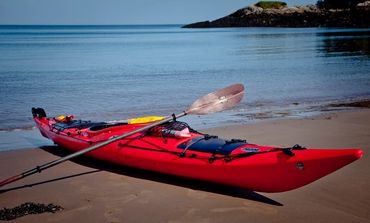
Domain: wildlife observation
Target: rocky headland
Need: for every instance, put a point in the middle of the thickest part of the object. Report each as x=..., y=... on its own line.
x=297, y=16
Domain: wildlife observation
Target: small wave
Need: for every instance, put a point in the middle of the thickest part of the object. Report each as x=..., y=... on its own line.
x=299, y=109
x=28, y=128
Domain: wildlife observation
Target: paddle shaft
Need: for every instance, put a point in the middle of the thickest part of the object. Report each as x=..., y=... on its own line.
x=219, y=100
x=38, y=169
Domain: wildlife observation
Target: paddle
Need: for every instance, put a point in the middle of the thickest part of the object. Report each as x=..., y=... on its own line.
x=213, y=102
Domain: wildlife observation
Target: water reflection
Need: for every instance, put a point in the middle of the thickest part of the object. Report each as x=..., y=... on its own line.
x=352, y=43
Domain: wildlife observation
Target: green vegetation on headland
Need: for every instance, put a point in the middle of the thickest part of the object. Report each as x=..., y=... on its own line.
x=271, y=4
x=326, y=13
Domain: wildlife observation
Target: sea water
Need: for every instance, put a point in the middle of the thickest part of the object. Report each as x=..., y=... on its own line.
x=109, y=73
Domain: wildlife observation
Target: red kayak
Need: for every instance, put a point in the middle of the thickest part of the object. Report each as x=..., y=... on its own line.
x=174, y=148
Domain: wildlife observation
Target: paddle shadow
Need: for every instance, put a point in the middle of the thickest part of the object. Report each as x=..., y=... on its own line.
x=48, y=181
x=154, y=176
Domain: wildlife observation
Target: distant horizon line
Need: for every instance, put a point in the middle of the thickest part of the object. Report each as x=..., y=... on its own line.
x=141, y=24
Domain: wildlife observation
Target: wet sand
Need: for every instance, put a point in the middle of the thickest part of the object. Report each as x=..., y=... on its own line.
x=93, y=191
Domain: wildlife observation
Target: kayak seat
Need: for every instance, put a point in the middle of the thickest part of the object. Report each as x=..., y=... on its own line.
x=80, y=124
x=214, y=145
x=104, y=125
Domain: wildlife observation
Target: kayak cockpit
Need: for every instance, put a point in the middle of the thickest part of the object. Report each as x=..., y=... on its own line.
x=77, y=124
x=212, y=144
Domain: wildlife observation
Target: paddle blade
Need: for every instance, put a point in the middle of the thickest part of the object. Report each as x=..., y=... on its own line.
x=219, y=100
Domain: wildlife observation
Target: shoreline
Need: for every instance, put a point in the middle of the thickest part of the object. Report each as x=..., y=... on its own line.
x=16, y=139
x=292, y=106
x=100, y=192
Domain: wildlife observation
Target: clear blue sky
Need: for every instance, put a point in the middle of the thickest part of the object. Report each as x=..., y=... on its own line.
x=120, y=11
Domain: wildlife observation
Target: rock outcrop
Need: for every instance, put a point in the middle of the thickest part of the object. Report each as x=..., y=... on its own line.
x=298, y=16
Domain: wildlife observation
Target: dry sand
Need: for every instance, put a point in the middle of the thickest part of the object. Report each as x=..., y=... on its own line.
x=98, y=192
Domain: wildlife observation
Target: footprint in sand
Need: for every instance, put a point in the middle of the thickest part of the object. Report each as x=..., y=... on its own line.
x=197, y=194
x=248, y=207
x=192, y=215
x=144, y=196
x=109, y=215
x=128, y=198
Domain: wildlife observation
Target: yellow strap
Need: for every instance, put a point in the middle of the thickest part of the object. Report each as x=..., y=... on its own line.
x=60, y=118
x=145, y=119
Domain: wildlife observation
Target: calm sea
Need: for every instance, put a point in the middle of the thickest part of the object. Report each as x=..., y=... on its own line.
x=119, y=72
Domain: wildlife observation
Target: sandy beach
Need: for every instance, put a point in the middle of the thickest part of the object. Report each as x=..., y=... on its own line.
x=92, y=191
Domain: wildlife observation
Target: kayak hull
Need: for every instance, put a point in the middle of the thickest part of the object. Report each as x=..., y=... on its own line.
x=249, y=166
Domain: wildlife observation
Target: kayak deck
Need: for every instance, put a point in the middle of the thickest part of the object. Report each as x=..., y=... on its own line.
x=199, y=156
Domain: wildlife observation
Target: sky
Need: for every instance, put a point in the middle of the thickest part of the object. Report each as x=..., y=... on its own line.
x=117, y=12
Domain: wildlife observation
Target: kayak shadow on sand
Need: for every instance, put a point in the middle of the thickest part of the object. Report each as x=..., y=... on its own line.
x=150, y=175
